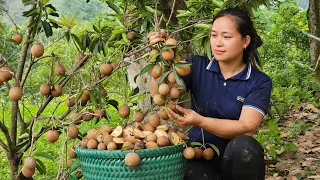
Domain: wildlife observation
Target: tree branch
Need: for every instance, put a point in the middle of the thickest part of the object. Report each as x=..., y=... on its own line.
x=4, y=146
x=5, y=131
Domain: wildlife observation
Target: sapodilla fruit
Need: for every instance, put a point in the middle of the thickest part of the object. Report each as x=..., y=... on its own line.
x=183, y=71
x=124, y=111
x=163, y=113
x=132, y=159
x=70, y=102
x=167, y=55
x=106, y=69
x=37, y=50
x=84, y=143
x=171, y=78
x=112, y=146
x=17, y=38
x=92, y=144
x=71, y=153
x=45, y=89
x=153, y=52
x=164, y=89
x=154, y=120
x=153, y=87
x=198, y=152
x=52, y=136
x=15, y=93
x=98, y=113
x=208, y=154
x=114, y=65
x=174, y=92
x=69, y=163
x=78, y=59
x=101, y=146
x=75, y=116
x=171, y=42
x=158, y=99
x=138, y=116
x=130, y=36
x=73, y=131
x=189, y=153
x=163, y=34
x=56, y=91
x=162, y=141
x=28, y=173
x=92, y=133
x=6, y=73
x=30, y=162
x=59, y=70
x=156, y=71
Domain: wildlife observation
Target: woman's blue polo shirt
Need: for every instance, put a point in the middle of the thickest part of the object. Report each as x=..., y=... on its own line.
x=216, y=97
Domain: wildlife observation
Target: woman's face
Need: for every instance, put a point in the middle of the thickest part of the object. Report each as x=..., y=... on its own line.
x=227, y=44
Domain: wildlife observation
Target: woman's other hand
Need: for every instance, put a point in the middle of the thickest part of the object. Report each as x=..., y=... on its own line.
x=188, y=117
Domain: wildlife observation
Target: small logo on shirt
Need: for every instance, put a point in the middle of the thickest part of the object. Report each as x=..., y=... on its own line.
x=241, y=99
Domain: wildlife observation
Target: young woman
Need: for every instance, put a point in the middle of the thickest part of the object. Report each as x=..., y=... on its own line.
x=230, y=97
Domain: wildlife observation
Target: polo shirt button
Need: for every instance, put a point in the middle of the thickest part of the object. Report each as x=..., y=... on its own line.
x=224, y=84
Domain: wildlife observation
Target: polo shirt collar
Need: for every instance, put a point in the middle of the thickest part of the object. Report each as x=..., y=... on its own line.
x=243, y=75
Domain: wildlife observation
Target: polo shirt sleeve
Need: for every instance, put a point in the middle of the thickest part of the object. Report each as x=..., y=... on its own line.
x=259, y=97
x=187, y=80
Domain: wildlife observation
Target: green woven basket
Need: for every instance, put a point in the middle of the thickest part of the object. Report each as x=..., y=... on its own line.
x=162, y=163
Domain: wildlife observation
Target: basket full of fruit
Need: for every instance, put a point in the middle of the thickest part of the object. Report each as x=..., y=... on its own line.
x=132, y=153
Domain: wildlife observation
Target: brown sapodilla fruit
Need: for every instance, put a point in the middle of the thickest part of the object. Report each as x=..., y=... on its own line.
x=112, y=146
x=87, y=115
x=56, y=91
x=70, y=102
x=106, y=69
x=151, y=145
x=164, y=89
x=174, y=92
x=153, y=52
x=103, y=92
x=184, y=70
x=157, y=98
x=208, y=154
x=84, y=143
x=92, y=133
x=156, y=71
x=72, y=153
x=154, y=120
x=73, y=131
x=163, y=34
x=162, y=141
x=198, y=153
x=130, y=36
x=132, y=159
x=78, y=59
x=171, y=42
x=37, y=50
x=75, y=116
x=17, y=38
x=92, y=144
x=101, y=146
x=6, y=73
x=45, y=89
x=138, y=116
x=52, y=136
x=151, y=137
x=163, y=113
x=15, y=93
x=99, y=113
x=189, y=153
x=171, y=78
x=30, y=162
x=28, y=173
x=59, y=70
x=124, y=111
x=167, y=55
x=114, y=65
x=69, y=163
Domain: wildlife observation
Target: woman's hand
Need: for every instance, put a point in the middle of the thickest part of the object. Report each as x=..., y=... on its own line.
x=155, y=37
x=188, y=117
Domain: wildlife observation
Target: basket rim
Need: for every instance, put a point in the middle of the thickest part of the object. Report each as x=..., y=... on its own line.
x=98, y=154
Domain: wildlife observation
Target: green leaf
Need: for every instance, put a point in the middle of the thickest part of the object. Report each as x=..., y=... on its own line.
x=51, y=7
x=147, y=68
x=74, y=165
x=193, y=144
x=291, y=147
x=203, y=26
x=96, y=28
x=31, y=12
x=182, y=64
x=272, y=125
x=168, y=47
x=114, y=7
x=214, y=147
x=47, y=28
x=93, y=98
x=163, y=76
x=71, y=176
x=45, y=155
x=67, y=34
x=23, y=136
x=176, y=77
x=154, y=57
x=41, y=167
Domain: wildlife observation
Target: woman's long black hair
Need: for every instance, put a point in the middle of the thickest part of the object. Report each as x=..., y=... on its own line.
x=245, y=27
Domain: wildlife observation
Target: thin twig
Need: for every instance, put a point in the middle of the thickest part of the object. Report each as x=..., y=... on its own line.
x=143, y=48
x=200, y=22
x=174, y=3
x=6, y=11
